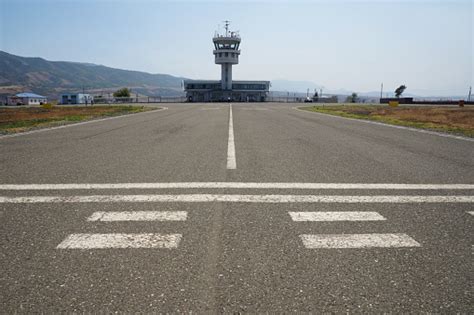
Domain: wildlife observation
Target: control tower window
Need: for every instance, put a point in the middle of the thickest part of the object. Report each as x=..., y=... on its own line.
x=232, y=46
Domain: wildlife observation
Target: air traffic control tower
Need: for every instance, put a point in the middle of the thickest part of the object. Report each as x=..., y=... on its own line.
x=226, y=54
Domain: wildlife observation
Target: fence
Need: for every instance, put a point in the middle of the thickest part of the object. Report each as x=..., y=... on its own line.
x=139, y=99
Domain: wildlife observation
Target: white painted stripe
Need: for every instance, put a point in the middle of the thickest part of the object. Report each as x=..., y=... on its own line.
x=471, y=212
x=231, y=161
x=439, y=134
x=336, y=216
x=357, y=240
x=238, y=185
x=239, y=198
x=211, y=108
x=138, y=216
x=76, y=124
x=97, y=241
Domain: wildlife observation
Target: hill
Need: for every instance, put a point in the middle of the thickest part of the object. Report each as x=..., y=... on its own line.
x=51, y=78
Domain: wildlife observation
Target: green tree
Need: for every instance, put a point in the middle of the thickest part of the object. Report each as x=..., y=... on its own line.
x=123, y=92
x=352, y=98
x=399, y=91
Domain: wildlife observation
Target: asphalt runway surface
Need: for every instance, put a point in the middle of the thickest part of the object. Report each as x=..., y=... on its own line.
x=242, y=208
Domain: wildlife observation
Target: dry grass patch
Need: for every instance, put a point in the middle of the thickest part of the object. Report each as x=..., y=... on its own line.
x=26, y=118
x=459, y=120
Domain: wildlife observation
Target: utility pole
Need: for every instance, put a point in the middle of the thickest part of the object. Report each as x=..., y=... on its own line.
x=381, y=90
x=469, y=95
x=307, y=93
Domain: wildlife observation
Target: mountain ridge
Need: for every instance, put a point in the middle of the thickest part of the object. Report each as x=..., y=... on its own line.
x=51, y=78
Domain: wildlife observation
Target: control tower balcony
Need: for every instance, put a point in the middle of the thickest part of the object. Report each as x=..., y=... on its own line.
x=227, y=56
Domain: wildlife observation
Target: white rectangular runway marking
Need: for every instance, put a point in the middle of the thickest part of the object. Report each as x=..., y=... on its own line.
x=336, y=216
x=471, y=212
x=357, y=240
x=238, y=185
x=231, y=161
x=138, y=216
x=97, y=241
x=239, y=198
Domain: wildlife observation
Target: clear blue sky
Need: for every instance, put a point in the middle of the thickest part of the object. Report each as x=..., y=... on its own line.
x=355, y=45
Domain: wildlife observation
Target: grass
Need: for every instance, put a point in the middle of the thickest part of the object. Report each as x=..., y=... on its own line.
x=456, y=120
x=13, y=120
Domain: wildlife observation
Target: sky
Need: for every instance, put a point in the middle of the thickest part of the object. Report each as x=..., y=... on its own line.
x=341, y=44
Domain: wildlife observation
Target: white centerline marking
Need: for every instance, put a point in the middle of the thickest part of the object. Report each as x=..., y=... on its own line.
x=231, y=162
x=336, y=216
x=238, y=185
x=138, y=216
x=357, y=240
x=97, y=241
x=471, y=212
x=239, y=198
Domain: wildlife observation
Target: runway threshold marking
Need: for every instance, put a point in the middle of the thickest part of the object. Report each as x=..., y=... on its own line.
x=238, y=185
x=318, y=241
x=109, y=216
x=231, y=160
x=239, y=198
x=336, y=216
x=119, y=240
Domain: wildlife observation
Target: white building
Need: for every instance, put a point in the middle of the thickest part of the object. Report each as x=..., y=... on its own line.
x=27, y=99
x=76, y=98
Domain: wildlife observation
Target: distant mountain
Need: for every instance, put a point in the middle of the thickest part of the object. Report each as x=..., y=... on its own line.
x=51, y=78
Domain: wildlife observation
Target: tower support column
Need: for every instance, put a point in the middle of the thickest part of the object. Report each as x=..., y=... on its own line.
x=226, y=76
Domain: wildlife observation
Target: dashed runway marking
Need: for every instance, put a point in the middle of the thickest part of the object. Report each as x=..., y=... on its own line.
x=116, y=240
x=109, y=216
x=336, y=216
x=315, y=241
x=231, y=160
x=239, y=198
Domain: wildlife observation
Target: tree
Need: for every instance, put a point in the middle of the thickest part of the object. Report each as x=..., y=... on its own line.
x=399, y=91
x=352, y=98
x=123, y=92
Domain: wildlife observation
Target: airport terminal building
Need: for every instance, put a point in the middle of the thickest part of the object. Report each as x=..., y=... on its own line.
x=226, y=54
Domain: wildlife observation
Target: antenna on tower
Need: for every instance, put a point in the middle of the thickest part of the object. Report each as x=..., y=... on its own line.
x=226, y=27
